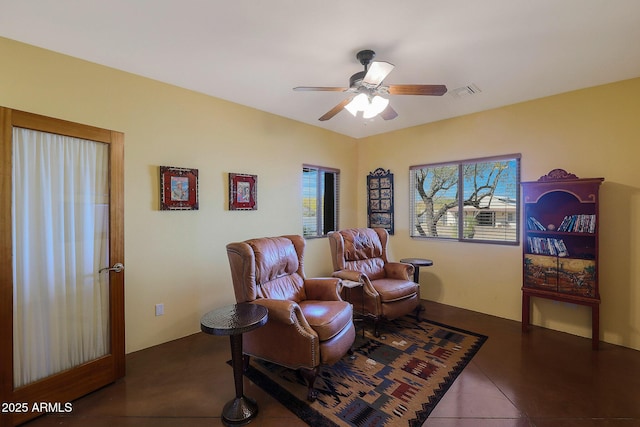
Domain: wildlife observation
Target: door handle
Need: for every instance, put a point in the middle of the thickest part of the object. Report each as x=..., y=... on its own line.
x=117, y=267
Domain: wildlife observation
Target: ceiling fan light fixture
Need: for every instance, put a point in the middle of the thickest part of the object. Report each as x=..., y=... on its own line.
x=358, y=103
x=377, y=106
x=370, y=107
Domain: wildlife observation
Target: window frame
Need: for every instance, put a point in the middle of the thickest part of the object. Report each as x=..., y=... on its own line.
x=460, y=226
x=327, y=205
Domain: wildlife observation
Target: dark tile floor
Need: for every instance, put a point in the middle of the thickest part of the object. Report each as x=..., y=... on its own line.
x=543, y=378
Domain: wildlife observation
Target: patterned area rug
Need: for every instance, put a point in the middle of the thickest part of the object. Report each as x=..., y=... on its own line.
x=394, y=380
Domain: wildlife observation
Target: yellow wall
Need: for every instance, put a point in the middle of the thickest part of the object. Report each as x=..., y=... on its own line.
x=178, y=258
x=593, y=133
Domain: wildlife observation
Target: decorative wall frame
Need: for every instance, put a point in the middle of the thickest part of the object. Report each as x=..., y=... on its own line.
x=178, y=188
x=243, y=192
x=380, y=199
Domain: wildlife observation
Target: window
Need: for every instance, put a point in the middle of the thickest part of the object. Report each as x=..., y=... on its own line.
x=486, y=218
x=320, y=200
x=471, y=200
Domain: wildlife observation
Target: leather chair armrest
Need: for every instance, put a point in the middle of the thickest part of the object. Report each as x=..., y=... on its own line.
x=323, y=289
x=286, y=329
x=352, y=275
x=285, y=312
x=357, y=276
x=399, y=270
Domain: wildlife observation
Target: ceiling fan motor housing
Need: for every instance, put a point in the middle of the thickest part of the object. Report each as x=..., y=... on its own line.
x=356, y=79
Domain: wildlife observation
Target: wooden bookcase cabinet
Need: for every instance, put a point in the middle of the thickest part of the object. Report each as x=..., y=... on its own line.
x=560, y=247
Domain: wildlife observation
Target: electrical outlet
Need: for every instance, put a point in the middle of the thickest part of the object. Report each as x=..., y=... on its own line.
x=159, y=309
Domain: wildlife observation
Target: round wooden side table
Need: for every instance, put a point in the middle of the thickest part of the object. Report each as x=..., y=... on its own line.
x=417, y=263
x=234, y=320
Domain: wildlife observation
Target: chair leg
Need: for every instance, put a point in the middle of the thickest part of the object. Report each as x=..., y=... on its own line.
x=419, y=309
x=310, y=376
x=376, y=327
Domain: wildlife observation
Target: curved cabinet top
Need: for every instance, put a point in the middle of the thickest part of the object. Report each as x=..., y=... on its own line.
x=585, y=190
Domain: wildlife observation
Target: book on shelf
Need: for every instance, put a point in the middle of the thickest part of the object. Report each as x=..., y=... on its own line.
x=534, y=224
x=547, y=246
x=582, y=223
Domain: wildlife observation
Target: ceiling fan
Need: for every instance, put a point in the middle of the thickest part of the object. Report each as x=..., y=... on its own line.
x=367, y=89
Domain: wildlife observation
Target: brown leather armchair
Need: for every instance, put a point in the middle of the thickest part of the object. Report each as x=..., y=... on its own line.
x=309, y=325
x=360, y=254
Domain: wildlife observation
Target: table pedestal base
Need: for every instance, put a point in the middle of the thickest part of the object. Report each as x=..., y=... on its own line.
x=239, y=411
x=234, y=320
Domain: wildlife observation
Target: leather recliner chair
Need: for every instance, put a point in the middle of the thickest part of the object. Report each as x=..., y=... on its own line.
x=308, y=325
x=360, y=255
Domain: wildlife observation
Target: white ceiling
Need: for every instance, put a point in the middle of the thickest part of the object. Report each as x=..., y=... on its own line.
x=254, y=52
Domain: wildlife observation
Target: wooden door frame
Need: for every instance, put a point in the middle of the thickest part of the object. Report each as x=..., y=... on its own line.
x=67, y=385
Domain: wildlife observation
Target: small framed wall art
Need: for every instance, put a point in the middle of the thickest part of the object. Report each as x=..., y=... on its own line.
x=178, y=189
x=380, y=199
x=243, y=192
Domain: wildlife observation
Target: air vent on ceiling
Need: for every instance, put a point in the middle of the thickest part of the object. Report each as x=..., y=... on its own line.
x=465, y=91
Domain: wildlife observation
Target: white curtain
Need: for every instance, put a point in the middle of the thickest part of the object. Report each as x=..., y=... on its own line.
x=60, y=240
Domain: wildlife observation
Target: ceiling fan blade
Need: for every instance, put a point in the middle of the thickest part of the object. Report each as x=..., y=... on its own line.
x=335, y=110
x=377, y=72
x=389, y=113
x=435, y=90
x=322, y=89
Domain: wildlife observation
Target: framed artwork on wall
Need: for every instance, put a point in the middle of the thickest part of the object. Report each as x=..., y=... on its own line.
x=178, y=188
x=243, y=192
x=380, y=199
